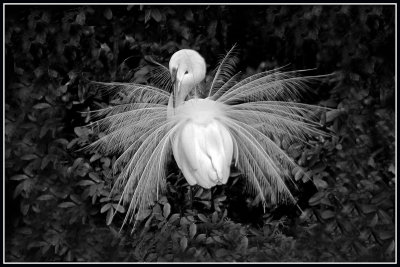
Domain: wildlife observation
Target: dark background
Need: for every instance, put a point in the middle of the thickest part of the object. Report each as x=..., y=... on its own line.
x=57, y=204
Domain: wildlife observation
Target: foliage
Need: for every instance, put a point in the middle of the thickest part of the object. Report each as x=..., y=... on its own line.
x=58, y=206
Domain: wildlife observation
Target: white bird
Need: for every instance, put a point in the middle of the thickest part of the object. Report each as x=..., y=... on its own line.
x=240, y=121
x=203, y=146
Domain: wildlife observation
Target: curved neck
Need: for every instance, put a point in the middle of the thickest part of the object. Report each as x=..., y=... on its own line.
x=182, y=93
x=176, y=99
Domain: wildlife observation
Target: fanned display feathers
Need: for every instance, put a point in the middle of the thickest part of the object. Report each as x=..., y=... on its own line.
x=257, y=111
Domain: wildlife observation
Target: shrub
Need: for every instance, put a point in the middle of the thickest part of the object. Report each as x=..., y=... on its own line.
x=58, y=206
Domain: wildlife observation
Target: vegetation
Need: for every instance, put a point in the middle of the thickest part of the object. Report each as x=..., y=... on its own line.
x=58, y=206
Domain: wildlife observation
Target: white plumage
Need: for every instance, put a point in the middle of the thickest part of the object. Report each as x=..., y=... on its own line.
x=203, y=148
x=239, y=121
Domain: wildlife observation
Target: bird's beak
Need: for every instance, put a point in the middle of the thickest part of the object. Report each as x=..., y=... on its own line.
x=174, y=85
x=173, y=75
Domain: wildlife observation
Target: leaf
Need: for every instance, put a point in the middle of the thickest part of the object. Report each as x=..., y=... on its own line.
x=95, y=157
x=384, y=235
x=63, y=89
x=109, y=216
x=32, y=117
x=333, y=114
x=119, y=208
x=184, y=221
x=43, y=130
x=319, y=183
x=185, y=33
x=374, y=221
x=206, y=203
x=19, y=177
x=166, y=210
x=45, y=162
x=156, y=15
x=147, y=15
x=392, y=168
x=214, y=218
x=157, y=209
x=106, y=162
x=326, y=214
x=183, y=243
x=221, y=252
x=379, y=198
x=82, y=169
x=25, y=231
x=67, y=205
x=18, y=71
x=85, y=183
x=189, y=15
x=38, y=72
x=200, y=237
x=199, y=192
x=29, y=157
x=314, y=200
x=368, y=208
x=80, y=18
x=244, y=242
x=105, y=207
x=72, y=143
x=61, y=141
x=108, y=13
x=45, y=197
x=63, y=251
x=36, y=209
x=192, y=230
x=94, y=176
x=36, y=244
x=143, y=214
x=18, y=189
x=209, y=240
x=80, y=131
x=105, y=199
x=212, y=29
x=202, y=217
x=44, y=249
x=147, y=224
x=220, y=199
x=75, y=199
x=163, y=200
x=219, y=240
x=390, y=248
x=174, y=217
x=42, y=106
x=298, y=174
x=52, y=73
x=24, y=208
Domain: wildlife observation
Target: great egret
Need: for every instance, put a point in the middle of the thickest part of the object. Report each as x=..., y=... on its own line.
x=240, y=121
x=203, y=146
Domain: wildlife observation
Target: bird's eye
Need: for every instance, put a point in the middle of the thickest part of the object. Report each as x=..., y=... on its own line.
x=186, y=72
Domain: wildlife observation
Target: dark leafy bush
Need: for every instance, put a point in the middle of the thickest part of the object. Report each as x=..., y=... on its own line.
x=58, y=202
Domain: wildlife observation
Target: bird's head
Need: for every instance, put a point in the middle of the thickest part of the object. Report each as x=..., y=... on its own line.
x=187, y=69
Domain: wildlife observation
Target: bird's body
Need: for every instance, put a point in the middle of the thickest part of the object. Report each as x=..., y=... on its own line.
x=203, y=148
x=239, y=121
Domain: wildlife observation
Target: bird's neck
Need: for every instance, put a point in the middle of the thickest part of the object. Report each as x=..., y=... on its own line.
x=177, y=99
x=183, y=93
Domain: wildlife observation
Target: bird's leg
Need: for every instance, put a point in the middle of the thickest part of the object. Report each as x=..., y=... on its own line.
x=191, y=196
